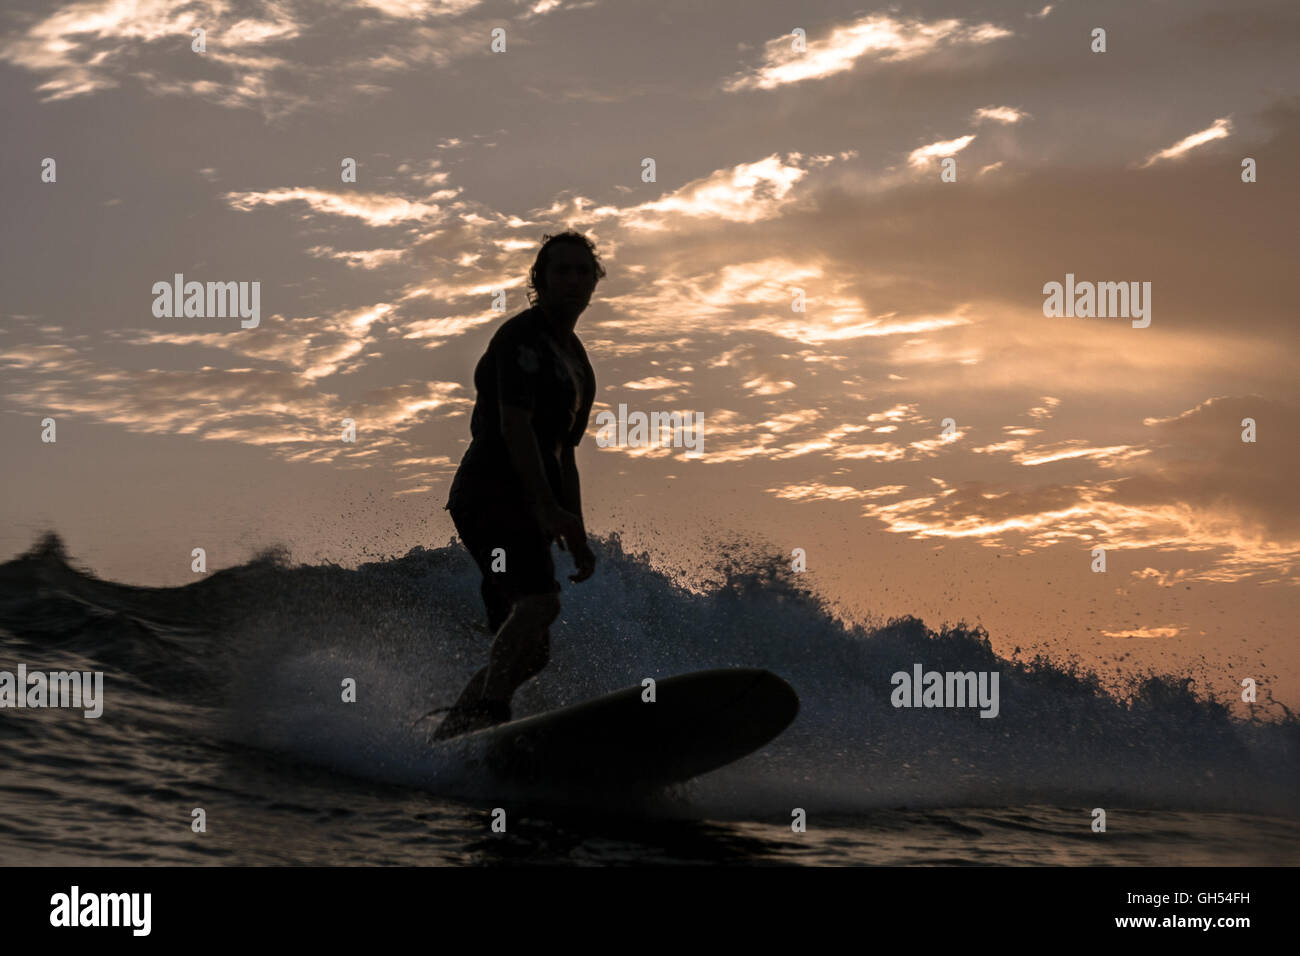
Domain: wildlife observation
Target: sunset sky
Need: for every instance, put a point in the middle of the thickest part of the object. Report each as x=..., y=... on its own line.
x=776, y=169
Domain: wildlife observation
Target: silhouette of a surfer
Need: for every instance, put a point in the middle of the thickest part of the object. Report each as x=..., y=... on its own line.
x=517, y=487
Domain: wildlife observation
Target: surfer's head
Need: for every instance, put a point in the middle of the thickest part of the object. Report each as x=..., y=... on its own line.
x=565, y=273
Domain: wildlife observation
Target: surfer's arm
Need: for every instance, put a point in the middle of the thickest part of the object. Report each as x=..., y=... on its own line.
x=570, y=488
x=525, y=456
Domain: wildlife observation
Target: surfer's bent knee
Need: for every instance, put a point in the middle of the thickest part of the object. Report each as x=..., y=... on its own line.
x=544, y=608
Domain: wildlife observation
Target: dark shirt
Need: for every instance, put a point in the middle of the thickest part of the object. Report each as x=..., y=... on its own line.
x=527, y=366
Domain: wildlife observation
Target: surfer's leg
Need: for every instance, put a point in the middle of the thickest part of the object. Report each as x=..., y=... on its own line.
x=521, y=601
x=511, y=670
x=498, y=611
x=515, y=652
x=537, y=656
x=496, y=600
x=533, y=661
x=522, y=646
x=473, y=690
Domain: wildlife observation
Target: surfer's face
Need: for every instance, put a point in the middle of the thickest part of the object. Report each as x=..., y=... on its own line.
x=570, y=280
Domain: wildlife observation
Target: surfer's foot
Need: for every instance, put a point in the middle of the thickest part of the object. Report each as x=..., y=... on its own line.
x=476, y=716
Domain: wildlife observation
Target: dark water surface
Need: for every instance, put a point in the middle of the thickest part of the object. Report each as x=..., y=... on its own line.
x=224, y=696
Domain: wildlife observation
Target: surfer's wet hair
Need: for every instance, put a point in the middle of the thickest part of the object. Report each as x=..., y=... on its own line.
x=537, y=274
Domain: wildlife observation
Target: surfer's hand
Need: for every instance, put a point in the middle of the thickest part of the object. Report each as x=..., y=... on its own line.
x=561, y=524
x=584, y=560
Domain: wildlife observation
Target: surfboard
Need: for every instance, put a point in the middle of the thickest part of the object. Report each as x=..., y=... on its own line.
x=698, y=722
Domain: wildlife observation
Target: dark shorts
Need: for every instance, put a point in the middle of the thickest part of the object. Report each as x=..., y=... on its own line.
x=530, y=569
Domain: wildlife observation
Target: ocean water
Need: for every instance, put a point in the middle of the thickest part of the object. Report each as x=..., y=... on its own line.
x=224, y=695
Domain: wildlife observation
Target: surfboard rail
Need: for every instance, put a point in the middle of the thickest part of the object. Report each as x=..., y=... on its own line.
x=698, y=722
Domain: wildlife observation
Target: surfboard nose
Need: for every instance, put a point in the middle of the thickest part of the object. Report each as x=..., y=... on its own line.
x=780, y=699
x=734, y=709
x=765, y=704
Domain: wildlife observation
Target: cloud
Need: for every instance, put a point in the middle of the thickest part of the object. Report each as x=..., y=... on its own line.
x=281, y=409
x=95, y=45
x=360, y=258
x=1044, y=411
x=1107, y=455
x=999, y=114
x=1194, y=487
x=372, y=209
x=873, y=37
x=87, y=47
x=744, y=193
x=315, y=346
x=816, y=491
x=1144, y=632
x=1220, y=129
x=924, y=155
x=419, y=9
x=654, y=383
